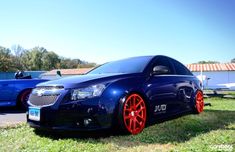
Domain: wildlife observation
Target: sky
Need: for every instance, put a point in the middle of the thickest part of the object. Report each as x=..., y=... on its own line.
x=106, y=30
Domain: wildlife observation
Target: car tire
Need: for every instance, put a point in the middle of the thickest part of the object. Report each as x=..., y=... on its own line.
x=23, y=98
x=199, y=102
x=133, y=114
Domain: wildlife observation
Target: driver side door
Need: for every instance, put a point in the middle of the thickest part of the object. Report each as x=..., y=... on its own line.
x=162, y=91
x=6, y=91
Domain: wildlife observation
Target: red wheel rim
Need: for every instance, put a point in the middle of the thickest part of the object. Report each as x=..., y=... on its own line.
x=134, y=114
x=199, y=101
x=24, y=97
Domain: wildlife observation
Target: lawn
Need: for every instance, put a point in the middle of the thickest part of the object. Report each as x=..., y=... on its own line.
x=213, y=130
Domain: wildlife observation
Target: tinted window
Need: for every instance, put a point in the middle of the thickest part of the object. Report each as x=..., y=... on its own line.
x=130, y=65
x=180, y=69
x=164, y=62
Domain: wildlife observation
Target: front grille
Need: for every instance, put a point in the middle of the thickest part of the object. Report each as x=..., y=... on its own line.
x=49, y=87
x=42, y=100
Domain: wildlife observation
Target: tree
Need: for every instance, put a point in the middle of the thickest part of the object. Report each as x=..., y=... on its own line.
x=25, y=59
x=66, y=63
x=208, y=62
x=233, y=60
x=87, y=65
x=18, y=52
x=6, y=62
x=32, y=59
x=50, y=61
x=37, y=58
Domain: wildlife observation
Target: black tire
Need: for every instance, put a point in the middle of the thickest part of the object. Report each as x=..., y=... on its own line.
x=23, y=98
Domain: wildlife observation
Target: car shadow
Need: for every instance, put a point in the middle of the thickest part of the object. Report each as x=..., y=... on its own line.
x=174, y=131
x=187, y=127
x=10, y=110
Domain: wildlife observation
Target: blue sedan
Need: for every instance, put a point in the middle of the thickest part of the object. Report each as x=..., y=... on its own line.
x=128, y=94
x=16, y=91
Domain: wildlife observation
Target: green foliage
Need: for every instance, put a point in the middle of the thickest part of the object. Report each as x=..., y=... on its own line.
x=233, y=60
x=69, y=64
x=50, y=60
x=18, y=52
x=6, y=60
x=37, y=58
x=86, y=65
x=208, y=131
x=208, y=62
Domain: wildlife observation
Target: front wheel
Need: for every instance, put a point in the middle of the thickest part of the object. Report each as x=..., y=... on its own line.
x=134, y=114
x=23, y=98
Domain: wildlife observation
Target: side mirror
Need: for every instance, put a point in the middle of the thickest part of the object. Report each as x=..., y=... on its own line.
x=160, y=69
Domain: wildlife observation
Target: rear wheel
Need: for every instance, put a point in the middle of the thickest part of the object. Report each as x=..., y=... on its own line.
x=199, y=102
x=23, y=98
x=134, y=114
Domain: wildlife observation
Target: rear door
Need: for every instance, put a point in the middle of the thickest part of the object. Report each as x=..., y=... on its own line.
x=184, y=85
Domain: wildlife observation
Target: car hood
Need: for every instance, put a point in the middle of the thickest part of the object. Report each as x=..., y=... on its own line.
x=85, y=80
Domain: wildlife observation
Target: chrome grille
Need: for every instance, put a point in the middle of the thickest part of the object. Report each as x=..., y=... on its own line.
x=42, y=100
x=44, y=95
x=49, y=87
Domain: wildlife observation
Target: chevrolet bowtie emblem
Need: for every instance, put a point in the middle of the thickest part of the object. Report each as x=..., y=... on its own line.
x=40, y=92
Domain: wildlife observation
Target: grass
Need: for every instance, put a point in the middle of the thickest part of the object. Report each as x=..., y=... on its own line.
x=213, y=130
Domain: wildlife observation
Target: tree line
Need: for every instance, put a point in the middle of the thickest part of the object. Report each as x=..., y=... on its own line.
x=37, y=58
x=213, y=62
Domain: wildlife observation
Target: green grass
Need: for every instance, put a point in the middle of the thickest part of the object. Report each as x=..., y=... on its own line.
x=213, y=130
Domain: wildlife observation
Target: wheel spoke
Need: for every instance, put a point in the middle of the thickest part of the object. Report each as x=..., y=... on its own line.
x=133, y=103
x=134, y=100
x=128, y=110
x=140, y=116
x=138, y=104
x=138, y=122
x=140, y=110
x=134, y=125
x=199, y=98
x=127, y=117
x=131, y=124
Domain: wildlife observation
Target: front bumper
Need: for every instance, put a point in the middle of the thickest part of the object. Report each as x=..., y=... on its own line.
x=74, y=116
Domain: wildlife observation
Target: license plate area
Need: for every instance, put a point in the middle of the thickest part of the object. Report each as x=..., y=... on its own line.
x=34, y=113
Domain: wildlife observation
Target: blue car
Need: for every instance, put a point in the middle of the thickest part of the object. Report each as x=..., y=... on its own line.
x=130, y=94
x=16, y=91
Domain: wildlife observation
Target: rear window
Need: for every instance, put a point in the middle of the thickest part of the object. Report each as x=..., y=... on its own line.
x=180, y=69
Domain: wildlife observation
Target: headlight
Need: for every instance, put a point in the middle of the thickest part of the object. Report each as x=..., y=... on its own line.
x=88, y=92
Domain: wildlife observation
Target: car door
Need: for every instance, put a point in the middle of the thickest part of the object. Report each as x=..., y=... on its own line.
x=184, y=85
x=161, y=90
x=6, y=90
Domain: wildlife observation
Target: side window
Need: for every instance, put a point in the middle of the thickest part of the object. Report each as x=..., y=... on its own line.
x=164, y=62
x=180, y=69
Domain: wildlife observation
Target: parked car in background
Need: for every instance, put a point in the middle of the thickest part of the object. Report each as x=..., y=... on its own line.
x=129, y=93
x=15, y=92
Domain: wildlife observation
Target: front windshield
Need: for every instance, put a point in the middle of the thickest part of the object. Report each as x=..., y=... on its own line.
x=130, y=65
